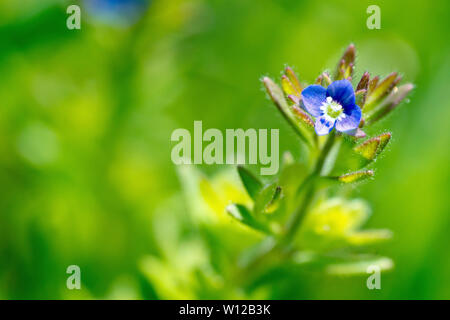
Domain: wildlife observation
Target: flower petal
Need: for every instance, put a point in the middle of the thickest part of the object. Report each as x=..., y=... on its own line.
x=323, y=125
x=313, y=97
x=342, y=92
x=351, y=120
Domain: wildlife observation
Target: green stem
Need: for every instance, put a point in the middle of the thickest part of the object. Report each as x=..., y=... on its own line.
x=297, y=217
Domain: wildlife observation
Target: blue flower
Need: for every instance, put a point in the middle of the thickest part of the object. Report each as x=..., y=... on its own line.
x=117, y=12
x=333, y=107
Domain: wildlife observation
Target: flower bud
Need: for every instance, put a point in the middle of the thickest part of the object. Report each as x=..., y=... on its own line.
x=389, y=104
x=293, y=79
x=381, y=90
x=355, y=176
x=345, y=66
x=364, y=82
x=296, y=119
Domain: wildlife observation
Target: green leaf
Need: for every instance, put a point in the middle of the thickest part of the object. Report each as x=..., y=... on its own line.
x=371, y=148
x=369, y=237
x=341, y=264
x=243, y=215
x=384, y=140
x=368, y=149
x=268, y=199
x=251, y=183
x=359, y=267
x=327, y=226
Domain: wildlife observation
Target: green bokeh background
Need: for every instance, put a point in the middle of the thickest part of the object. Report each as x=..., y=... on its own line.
x=86, y=118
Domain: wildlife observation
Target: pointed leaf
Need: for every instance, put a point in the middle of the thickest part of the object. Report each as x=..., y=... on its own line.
x=243, y=215
x=369, y=237
x=359, y=267
x=369, y=148
x=355, y=176
x=384, y=140
x=251, y=183
x=275, y=202
x=267, y=200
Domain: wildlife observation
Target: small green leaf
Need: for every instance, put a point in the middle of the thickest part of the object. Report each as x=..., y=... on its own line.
x=359, y=267
x=327, y=226
x=251, y=183
x=369, y=237
x=369, y=148
x=355, y=176
x=384, y=140
x=268, y=199
x=243, y=215
x=274, y=203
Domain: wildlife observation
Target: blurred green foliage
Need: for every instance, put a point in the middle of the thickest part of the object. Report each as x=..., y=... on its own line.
x=85, y=123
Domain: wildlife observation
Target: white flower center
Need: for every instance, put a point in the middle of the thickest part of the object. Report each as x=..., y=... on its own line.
x=332, y=110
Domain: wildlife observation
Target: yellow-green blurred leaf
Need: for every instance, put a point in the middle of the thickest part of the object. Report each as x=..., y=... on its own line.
x=359, y=267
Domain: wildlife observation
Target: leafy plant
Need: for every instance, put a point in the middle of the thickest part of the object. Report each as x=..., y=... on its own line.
x=300, y=219
x=302, y=216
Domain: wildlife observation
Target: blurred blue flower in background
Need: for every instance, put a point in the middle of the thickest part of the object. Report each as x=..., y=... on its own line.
x=121, y=13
